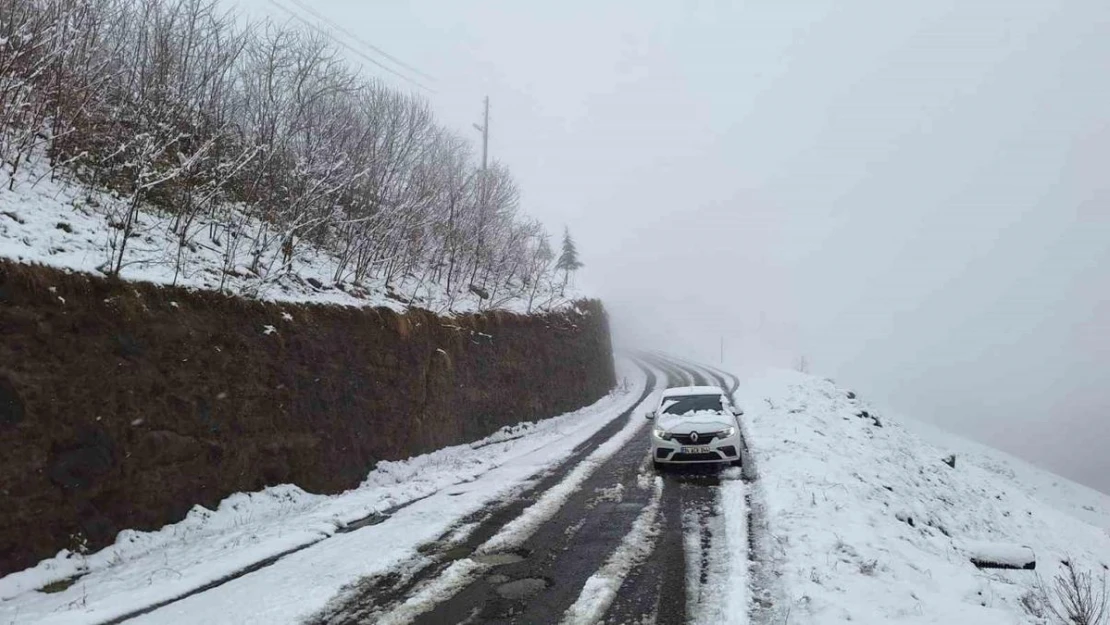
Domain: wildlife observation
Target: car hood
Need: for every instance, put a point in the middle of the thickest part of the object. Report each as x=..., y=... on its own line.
x=695, y=421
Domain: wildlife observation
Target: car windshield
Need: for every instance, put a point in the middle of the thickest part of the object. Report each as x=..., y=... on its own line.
x=683, y=404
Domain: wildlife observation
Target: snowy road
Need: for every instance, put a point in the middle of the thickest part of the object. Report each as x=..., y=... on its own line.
x=562, y=521
x=609, y=541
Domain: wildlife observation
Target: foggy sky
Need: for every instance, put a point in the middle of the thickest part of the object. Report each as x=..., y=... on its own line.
x=915, y=195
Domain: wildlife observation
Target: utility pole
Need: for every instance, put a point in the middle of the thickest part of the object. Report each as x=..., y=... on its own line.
x=484, y=129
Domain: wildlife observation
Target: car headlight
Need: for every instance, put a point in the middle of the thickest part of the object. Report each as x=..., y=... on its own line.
x=727, y=432
x=662, y=434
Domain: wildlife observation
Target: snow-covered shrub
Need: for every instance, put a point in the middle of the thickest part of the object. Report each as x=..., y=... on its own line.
x=1076, y=597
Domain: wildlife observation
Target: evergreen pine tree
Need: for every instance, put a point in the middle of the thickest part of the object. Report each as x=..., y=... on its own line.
x=568, y=259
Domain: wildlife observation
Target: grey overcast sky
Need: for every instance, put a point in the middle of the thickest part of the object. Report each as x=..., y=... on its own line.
x=913, y=195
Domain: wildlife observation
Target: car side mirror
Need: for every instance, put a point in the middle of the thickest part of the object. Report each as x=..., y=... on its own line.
x=650, y=415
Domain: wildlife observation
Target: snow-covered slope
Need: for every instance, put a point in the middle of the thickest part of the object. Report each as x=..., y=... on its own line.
x=57, y=222
x=866, y=523
x=1078, y=500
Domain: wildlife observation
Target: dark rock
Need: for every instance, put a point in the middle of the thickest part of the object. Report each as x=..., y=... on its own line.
x=863, y=414
x=61, y=225
x=1003, y=556
x=951, y=460
x=851, y=395
x=316, y=284
x=479, y=291
x=11, y=406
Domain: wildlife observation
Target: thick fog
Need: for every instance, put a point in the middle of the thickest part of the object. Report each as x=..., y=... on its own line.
x=914, y=197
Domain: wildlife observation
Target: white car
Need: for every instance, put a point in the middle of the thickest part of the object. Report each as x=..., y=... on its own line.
x=695, y=424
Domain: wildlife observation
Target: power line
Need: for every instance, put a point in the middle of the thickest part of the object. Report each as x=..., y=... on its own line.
x=345, y=45
x=356, y=38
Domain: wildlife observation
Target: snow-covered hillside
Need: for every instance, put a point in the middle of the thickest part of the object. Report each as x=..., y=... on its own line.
x=54, y=221
x=866, y=523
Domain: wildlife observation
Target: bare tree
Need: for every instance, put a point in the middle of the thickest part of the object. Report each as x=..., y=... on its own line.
x=262, y=136
x=537, y=267
x=1075, y=597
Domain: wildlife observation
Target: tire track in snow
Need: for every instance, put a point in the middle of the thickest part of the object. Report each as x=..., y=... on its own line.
x=565, y=550
x=713, y=375
x=716, y=549
x=699, y=501
x=727, y=380
x=673, y=587
x=766, y=597
x=703, y=525
x=541, y=525
x=602, y=587
x=680, y=375
x=603, y=545
x=655, y=591
x=375, y=594
x=707, y=572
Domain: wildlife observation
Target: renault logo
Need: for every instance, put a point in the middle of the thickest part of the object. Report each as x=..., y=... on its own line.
x=693, y=437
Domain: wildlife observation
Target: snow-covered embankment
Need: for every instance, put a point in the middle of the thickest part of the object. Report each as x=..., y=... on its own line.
x=866, y=522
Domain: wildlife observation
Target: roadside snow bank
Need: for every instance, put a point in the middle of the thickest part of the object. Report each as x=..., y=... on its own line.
x=868, y=524
x=144, y=568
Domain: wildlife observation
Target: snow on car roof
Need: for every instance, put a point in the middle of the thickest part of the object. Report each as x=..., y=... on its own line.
x=682, y=391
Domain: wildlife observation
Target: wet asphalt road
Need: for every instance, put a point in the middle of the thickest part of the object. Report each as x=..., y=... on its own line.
x=538, y=582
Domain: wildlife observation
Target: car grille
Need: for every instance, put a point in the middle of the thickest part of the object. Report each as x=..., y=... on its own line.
x=680, y=457
x=704, y=438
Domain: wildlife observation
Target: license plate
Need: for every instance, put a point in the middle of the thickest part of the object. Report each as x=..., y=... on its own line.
x=695, y=450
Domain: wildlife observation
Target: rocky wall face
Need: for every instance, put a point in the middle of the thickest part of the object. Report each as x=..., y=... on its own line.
x=123, y=405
